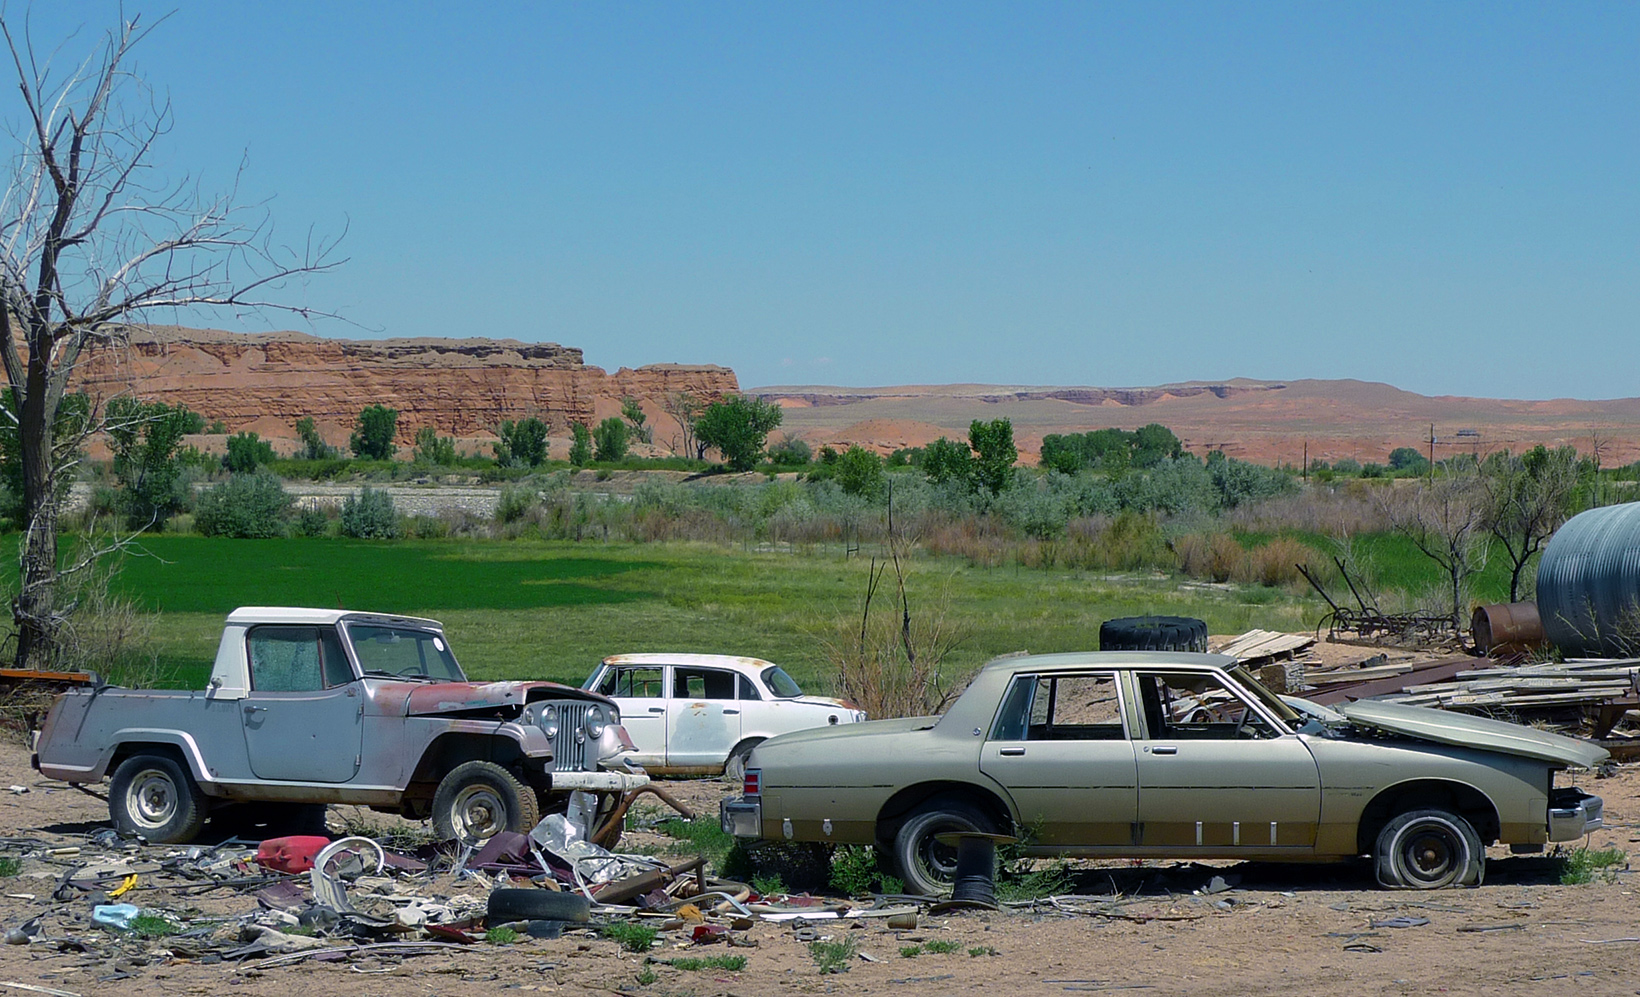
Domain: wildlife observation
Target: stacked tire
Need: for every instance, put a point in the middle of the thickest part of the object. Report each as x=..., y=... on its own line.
x=1153, y=633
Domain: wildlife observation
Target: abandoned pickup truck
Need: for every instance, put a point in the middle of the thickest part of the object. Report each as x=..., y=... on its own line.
x=1166, y=755
x=308, y=707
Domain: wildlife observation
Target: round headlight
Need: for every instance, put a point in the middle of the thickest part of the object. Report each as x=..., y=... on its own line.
x=595, y=723
x=549, y=722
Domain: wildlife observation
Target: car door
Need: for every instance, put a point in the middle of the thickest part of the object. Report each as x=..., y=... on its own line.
x=639, y=692
x=1216, y=773
x=303, y=717
x=703, y=716
x=1060, y=746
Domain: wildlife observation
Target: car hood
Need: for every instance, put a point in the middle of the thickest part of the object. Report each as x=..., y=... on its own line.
x=464, y=697
x=1468, y=731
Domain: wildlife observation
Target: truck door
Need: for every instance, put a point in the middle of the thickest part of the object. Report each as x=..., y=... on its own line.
x=303, y=718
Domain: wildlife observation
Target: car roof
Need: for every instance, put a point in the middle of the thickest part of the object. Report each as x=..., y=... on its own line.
x=292, y=614
x=1077, y=660
x=736, y=662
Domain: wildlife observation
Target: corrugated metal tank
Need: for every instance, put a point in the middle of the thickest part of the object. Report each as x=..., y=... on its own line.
x=1588, y=583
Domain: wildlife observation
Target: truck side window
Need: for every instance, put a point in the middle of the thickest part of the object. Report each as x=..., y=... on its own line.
x=285, y=659
x=337, y=669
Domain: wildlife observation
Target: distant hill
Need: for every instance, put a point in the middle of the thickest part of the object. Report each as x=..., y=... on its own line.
x=1269, y=422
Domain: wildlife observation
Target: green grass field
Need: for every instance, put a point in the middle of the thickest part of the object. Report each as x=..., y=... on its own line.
x=530, y=609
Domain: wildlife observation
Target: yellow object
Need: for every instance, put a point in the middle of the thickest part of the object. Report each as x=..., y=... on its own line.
x=130, y=881
x=691, y=914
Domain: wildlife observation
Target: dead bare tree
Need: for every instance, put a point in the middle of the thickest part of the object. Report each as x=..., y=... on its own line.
x=1528, y=498
x=685, y=408
x=1445, y=518
x=91, y=240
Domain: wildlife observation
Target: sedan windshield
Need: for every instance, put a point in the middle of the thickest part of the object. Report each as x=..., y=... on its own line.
x=780, y=683
x=403, y=652
x=1271, y=701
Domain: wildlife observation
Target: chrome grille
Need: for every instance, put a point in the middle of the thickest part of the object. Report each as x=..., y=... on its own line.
x=571, y=748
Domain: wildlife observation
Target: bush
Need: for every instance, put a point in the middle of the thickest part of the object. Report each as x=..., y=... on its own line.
x=312, y=521
x=791, y=452
x=515, y=502
x=860, y=472
x=433, y=449
x=247, y=452
x=246, y=506
x=611, y=439
x=523, y=443
x=370, y=515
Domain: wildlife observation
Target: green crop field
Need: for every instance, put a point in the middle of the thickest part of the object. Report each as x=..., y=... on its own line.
x=538, y=609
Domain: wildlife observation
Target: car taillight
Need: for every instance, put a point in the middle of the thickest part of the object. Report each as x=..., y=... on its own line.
x=750, y=786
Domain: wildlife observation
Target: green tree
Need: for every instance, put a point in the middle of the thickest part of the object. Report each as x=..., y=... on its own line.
x=1528, y=498
x=373, y=435
x=74, y=422
x=247, y=452
x=610, y=438
x=947, y=460
x=633, y=412
x=146, y=438
x=1408, y=459
x=523, y=443
x=580, y=447
x=246, y=506
x=314, y=446
x=433, y=449
x=995, y=453
x=1153, y=444
x=791, y=451
x=737, y=428
x=860, y=472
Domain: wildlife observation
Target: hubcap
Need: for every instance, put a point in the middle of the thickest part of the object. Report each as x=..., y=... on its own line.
x=478, y=813
x=152, y=798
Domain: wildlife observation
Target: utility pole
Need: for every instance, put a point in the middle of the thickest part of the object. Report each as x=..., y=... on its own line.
x=1432, y=452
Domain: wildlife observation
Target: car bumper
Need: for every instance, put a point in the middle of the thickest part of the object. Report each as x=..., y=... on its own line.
x=600, y=782
x=1573, y=814
x=741, y=818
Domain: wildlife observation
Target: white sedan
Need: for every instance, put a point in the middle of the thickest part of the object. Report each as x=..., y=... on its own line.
x=700, y=714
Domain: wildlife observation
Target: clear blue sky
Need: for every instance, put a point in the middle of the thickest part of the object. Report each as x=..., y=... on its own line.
x=1442, y=196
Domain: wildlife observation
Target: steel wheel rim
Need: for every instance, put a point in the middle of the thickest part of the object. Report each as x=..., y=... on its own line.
x=1430, y=854
x=939, y=861
x=151, y=799
x=478, y=812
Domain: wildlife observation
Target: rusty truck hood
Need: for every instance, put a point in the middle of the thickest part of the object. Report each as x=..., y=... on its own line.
x=463, y=697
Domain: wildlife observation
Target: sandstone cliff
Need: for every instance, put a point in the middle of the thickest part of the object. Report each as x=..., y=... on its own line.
x=460, y=387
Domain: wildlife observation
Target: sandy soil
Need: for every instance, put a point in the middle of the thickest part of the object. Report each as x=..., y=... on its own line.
x=1314, y=930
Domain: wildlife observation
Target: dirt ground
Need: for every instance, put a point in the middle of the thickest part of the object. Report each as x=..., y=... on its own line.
x=1315, y=930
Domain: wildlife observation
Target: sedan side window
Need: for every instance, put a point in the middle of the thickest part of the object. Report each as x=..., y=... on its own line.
x=747, y=689
x=1061, y=708
x=634, y=683
x=702, y=683
x=1197, y=706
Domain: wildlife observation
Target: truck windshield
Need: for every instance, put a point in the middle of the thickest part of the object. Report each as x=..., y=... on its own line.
x=403, y=652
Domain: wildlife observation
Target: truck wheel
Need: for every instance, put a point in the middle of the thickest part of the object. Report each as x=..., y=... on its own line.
x=154, y=796
x=1427, y=850
x=478, y=799
x=926, y=866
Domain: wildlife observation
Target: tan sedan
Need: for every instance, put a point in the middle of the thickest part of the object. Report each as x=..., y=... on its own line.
x=1160, y=755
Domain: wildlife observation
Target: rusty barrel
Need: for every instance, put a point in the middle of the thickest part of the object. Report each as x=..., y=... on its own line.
x=1507, y=628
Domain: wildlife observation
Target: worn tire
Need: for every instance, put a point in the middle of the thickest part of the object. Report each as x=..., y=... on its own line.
x=1153, y=633
x=734, y=769
x=154, y=796
x=476, y=800
x=1428, y=850
x=926, y=866
x=510, y=904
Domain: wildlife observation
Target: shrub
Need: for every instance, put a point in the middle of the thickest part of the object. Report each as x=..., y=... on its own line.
x=246, y=506
x=433, y=449
x=515, y=502
x=791, y=452
x=857, y=870
x=522, y=443
x=314, y=446
x=370, y=515
x=834, y=957
x=312, y=521
x=247, y=452
x=580, y=448
x=860, y=472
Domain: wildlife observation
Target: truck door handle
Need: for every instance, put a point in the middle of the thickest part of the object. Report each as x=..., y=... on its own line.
x=1012, y=752
x=255, y=709
x=1165, y=749
x=731, y=713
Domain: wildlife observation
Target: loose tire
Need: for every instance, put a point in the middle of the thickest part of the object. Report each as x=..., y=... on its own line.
x=509, y=904
x=734, y=770
x=1429, y=850
x=926, y=866
x=154, y=796
x=476, y=800
x=1153, y=633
